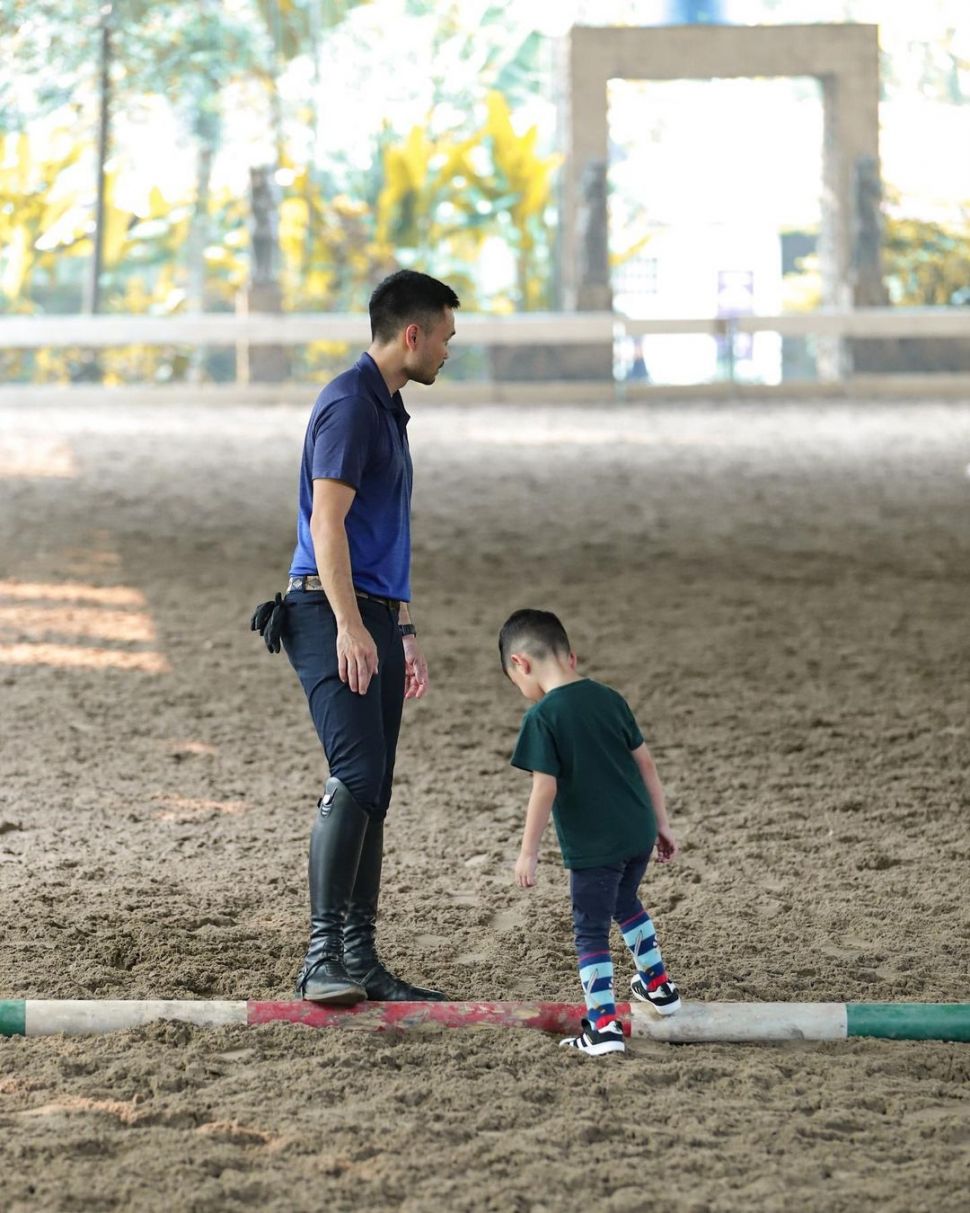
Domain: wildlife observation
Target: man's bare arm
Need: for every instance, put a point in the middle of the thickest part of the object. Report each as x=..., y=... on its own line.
x=356, y=650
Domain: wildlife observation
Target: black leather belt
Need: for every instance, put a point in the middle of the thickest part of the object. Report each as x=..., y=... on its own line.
x=310, y=581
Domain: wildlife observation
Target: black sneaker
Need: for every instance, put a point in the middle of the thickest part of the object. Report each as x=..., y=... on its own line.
x=665, y=999
x=595, y=1043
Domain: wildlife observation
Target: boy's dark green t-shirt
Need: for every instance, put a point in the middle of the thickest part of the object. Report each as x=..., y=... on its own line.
x=584, y=733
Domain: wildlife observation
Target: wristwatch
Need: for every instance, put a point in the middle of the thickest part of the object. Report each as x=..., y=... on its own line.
x=407, y=629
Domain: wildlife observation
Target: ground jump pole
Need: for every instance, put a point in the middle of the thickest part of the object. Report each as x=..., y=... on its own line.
x=694, y=1022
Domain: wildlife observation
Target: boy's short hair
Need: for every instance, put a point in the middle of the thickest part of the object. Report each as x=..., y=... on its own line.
x=408, y=297
x=537, y=633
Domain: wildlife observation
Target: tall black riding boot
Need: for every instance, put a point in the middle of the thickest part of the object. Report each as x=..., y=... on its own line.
x=360, y=930
x=335, y=847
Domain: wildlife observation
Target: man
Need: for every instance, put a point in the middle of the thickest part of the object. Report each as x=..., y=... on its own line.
x=348, y=630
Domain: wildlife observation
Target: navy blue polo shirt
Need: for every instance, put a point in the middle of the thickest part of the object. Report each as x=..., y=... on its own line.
x=357, y=433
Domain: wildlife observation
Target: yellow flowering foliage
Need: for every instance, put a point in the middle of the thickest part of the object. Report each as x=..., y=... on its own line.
x=445, y=196
x=328, y=249
x=31, y=205
x=523, y=174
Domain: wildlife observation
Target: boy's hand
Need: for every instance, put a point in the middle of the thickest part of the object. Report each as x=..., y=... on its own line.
x=525, y=870
x=667, y=847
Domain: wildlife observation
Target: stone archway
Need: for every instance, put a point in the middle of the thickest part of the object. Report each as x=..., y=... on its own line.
x=845, y=59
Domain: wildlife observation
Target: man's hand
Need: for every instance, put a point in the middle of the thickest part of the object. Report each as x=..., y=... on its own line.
x=416, y=679
x=667, y=846
x=357, y=657
x=525, y=869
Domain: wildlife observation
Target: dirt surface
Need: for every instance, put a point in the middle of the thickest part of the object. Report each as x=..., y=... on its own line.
x=781, y=593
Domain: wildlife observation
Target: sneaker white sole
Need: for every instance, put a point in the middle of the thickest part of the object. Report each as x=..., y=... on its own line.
x=669, y=1009
x=597, y=1050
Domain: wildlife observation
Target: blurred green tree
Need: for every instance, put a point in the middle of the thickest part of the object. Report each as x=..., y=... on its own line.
x=114, y=55
x=926, y=264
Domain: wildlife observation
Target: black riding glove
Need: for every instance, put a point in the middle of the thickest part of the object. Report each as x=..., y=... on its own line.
x=268, y=621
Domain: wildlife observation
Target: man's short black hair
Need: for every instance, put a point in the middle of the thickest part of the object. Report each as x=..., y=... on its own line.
x=408, y=297
x=538, y=633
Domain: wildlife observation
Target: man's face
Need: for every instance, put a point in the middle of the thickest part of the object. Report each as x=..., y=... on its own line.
x=428, y=347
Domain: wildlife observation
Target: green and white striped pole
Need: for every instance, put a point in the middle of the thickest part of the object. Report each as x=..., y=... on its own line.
x=739, y=1021
x=695, y=1021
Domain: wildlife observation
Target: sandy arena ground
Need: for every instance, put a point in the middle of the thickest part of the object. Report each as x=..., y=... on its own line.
x=782, y=594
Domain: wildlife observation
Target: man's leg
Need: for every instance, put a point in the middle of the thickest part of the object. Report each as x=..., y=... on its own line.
x=350, y=729
x=360, y=932
x=336, y=841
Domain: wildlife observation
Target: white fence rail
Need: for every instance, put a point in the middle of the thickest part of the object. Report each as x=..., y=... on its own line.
x=524, y=328
x=248, y=332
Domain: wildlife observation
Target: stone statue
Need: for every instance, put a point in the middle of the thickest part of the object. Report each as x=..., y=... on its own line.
x=592, y=227
x=870, y=290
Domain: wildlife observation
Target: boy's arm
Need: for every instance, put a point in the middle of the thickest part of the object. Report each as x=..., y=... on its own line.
x=536, y=820
x=667, y=846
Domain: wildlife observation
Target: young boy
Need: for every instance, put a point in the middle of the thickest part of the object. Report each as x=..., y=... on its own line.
x=593, y=772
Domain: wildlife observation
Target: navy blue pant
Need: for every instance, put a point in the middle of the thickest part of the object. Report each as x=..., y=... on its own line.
x=601, y=896
x=358, y=732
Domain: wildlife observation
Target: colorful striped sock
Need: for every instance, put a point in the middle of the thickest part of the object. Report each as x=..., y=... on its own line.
x=596, y=975
x=641, y=938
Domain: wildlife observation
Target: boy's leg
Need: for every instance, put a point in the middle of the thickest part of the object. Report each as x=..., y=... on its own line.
x=651, y=983
x=593, y=897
